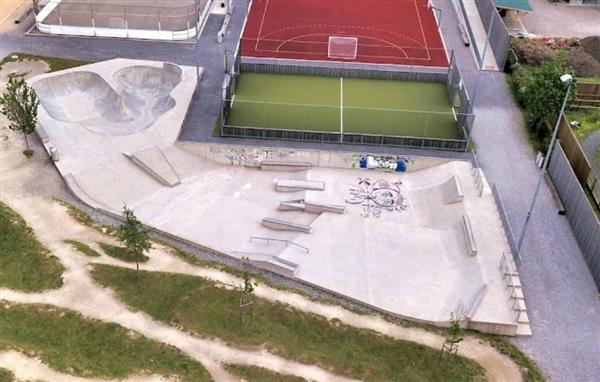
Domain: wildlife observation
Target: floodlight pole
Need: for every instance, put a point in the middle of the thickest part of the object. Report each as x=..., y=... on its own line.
x=543, y=169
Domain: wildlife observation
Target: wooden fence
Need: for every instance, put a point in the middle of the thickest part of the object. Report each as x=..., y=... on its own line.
x=588, y=95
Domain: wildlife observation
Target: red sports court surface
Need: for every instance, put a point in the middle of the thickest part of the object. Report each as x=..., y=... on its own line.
x=388, y=31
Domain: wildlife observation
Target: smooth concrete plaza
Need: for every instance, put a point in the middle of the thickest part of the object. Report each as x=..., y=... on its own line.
x=422, y=244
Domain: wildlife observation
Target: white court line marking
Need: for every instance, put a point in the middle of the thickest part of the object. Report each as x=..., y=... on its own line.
x=341, y=106
x=391, y=45
x=422, y=31
x=262, y=22
x=454, y=113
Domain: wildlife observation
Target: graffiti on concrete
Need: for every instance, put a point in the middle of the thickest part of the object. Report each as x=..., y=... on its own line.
x=377, y=196
x=243, y=156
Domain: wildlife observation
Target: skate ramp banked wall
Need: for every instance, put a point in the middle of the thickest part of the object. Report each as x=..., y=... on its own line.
x=141, y=95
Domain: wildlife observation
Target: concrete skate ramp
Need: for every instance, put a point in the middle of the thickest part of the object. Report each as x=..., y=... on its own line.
x=141, y=95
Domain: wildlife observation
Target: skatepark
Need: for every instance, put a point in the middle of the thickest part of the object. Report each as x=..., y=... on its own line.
x=417, y=237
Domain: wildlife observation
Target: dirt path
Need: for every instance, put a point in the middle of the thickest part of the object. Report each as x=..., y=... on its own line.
x=31, y=369
x=28, y=185
x=52, y=224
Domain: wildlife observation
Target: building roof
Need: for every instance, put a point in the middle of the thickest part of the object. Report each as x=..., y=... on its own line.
x=517, y=5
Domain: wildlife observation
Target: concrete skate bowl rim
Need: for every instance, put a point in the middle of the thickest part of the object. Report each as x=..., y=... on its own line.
x=110, y=121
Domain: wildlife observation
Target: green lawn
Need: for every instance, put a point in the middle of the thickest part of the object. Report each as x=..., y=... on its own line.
x=121, y=253
x=199, y=306
x=55, y=63
x=24, y=263
x=588, y=118
x=296, y=102
x=6, y=375
x=258, y=374
x=83, y=248
x=588, y=80
x=69, y=343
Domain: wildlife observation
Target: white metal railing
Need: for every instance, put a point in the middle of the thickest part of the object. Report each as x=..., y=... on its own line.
x=284, y=241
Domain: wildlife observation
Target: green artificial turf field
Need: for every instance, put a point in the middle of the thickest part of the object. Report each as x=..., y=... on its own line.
x=296, y=102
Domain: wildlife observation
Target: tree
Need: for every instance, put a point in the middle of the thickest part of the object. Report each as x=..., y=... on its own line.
x=247, y=293
x=134, y=236
x=19, y=104
x=453, y=338
x=541, y=91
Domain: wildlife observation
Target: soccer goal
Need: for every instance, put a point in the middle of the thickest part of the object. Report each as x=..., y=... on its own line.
x=342, y=47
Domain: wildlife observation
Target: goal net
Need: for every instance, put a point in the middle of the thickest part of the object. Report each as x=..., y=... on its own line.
x=342, y=47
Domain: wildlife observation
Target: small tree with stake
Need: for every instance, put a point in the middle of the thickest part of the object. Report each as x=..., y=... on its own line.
x=247, y=289
x=19, y=104
x=134, y=236
x=454, y=337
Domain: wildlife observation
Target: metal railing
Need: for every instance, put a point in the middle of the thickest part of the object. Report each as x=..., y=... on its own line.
x=286, y=242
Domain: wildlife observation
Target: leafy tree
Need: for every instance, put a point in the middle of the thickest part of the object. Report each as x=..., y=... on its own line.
x=19, y=104
x=134, y=236
x=541, y=91
x=247, y=290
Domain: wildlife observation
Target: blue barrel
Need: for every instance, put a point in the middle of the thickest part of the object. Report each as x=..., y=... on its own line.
x=400, y=166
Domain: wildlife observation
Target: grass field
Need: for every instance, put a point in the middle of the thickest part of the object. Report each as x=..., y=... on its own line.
x=295, y=102
x=201, y=307
x=70, y=343
x=24, y=262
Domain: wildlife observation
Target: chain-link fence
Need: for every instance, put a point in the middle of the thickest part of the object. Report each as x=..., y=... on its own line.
x=128, y=18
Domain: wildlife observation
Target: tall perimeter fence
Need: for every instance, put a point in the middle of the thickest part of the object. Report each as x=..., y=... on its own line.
x=451, y=77
x=579, y=211
x=160, y=20
x=499, y=37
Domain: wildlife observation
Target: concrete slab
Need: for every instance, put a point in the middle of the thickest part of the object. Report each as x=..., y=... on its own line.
x=399, y=246
x=154, y=162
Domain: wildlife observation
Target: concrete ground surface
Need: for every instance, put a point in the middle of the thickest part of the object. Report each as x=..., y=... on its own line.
x=567, y=318
x=417, y=236
x=11, y=10
x=562, y=20
x=29, y=186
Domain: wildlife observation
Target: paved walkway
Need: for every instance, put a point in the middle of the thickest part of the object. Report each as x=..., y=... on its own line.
x=561, y=294
x=591, y=145
x=562, y=20
x=565, y=312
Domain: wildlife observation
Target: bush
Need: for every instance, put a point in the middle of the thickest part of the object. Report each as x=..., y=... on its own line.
x=591, y=45
x=539, y=90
